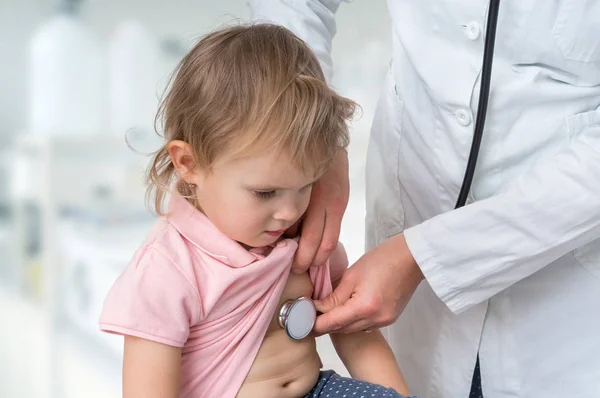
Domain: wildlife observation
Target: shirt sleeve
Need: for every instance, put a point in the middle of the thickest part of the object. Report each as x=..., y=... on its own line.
x=470, y=254
x=311, y=20
x=153, y=300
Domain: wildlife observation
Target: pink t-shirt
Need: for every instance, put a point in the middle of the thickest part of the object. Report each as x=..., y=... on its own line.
x=190, y=286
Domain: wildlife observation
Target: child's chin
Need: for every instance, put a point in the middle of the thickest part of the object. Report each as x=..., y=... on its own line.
x=264, y=240
x=271, y=240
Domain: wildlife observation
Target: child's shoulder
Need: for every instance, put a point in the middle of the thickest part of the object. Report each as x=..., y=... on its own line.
x=156, y=297
x=163, y=238
x=165, y=248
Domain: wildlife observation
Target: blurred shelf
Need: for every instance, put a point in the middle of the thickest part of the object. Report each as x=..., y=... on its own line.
x=88, y=369
x=78, y=216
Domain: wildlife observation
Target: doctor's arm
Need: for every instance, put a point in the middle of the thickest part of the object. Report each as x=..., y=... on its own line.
x=470, y=254
x=311, y=20
x=367, y=356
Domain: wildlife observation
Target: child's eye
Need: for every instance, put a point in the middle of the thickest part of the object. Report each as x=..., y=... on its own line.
x=264, y=194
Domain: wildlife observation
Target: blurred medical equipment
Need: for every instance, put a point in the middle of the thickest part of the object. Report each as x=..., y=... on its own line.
x=133, y=78
x=78, y=218
x=66, y=74
x=92, y=256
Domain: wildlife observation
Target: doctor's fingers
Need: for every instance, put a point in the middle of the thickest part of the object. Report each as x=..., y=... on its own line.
x=340, y=296
x=336, y=202
x=337, y=319
x=370, y=317
x=311, y=233
x=328, y=201
x=331, y=234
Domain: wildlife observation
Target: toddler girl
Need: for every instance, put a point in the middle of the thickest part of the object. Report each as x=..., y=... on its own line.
x=250, y=125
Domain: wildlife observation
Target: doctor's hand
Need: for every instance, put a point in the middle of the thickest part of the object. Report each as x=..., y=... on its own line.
x=320, y=227
x=373, y=292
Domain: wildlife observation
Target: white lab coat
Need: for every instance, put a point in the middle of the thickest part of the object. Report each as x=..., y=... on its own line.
x=516, y=273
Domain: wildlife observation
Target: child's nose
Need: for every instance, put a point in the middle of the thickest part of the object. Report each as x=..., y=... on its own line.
x=289, y=212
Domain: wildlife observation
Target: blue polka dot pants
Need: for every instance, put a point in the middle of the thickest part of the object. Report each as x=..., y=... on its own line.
x=332, y=385
x=476, y=391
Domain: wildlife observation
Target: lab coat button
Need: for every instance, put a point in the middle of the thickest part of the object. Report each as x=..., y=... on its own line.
x=462, y=117
x=473, y=30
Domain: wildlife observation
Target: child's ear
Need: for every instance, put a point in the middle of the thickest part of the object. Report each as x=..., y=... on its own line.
x=182, y=157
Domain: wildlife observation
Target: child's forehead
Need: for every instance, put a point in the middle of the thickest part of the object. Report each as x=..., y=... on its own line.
x=270, y=168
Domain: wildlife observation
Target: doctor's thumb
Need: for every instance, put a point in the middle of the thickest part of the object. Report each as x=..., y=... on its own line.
x=339, y=296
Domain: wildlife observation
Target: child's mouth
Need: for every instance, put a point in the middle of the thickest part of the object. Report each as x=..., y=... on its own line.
x=275, y=233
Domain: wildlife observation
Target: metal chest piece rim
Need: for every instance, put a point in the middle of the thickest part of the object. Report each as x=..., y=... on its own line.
x=297, y=317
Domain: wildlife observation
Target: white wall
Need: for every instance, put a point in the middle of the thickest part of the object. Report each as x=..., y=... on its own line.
x=358, y=23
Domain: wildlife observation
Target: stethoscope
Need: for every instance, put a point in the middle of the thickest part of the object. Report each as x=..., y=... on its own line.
x=484, y=93
x=298, y=316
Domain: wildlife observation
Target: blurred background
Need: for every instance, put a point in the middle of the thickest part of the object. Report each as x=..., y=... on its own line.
x=75, y=76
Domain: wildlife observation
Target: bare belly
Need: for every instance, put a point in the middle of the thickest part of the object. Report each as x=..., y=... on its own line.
x=284, y=368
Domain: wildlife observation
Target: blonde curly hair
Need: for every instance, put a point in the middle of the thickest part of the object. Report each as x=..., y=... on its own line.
x=246, y=89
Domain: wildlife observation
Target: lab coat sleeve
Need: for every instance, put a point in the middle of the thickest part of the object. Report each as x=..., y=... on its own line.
x=472, y=253
x=311, y=20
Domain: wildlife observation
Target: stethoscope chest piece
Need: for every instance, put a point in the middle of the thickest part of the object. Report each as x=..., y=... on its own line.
x=298, y=317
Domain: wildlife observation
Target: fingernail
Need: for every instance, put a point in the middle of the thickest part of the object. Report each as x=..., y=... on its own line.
x=281, y=243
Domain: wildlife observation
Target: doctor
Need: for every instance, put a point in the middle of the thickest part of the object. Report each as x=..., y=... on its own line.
x=513, y=278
